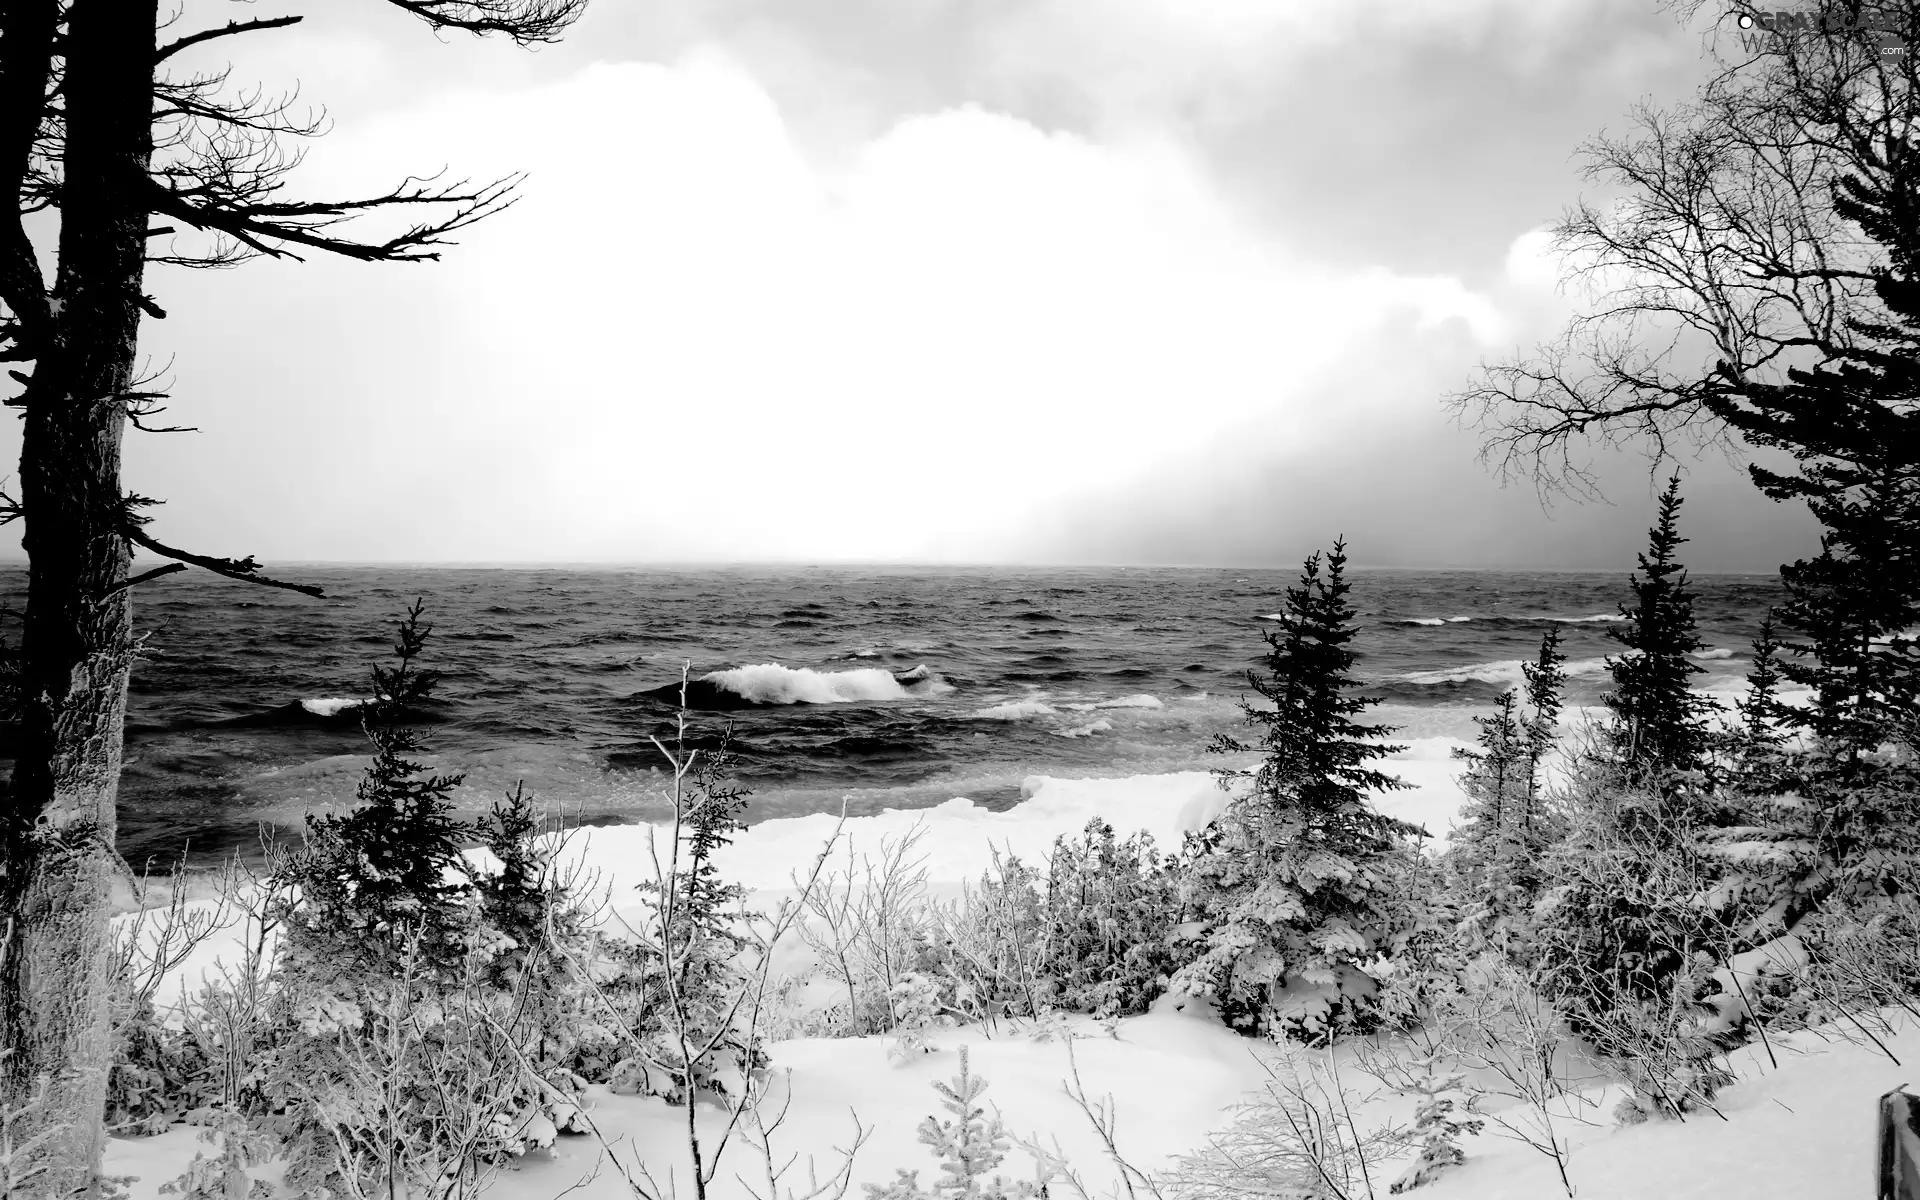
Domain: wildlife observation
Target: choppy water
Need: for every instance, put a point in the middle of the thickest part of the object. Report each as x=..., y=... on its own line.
x=892, y=687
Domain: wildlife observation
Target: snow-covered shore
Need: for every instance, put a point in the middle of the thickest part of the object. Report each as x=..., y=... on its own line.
x=1802, y=1129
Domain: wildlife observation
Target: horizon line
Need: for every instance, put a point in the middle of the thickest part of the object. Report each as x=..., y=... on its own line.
x=829, y=563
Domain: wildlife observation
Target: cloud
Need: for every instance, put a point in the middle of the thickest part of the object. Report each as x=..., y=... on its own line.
x=689, y=340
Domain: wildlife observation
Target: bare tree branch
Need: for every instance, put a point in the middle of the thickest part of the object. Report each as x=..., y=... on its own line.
x=231, y=27
x=1724, y=266
x=525, y=21
x=172, y=568
x=267, y=228
x=244, y=569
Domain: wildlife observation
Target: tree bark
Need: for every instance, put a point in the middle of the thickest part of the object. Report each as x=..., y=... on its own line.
x=59, y=861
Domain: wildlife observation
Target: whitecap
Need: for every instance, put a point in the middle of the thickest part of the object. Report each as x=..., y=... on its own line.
x=771, y=683
x=921, y=681
x=1138, y=701
x=330, y=706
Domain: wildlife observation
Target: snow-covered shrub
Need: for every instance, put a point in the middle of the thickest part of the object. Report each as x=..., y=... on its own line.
x=991, y=946
x=1495, y=1023
x=1298, y=1138
x=160, y=1071
x=1631, y=938
x=870, y=922
x=413, y=1081
x=970, y=1145
x=918, y=1010
x=1859, y=960
x=1287, y=885
x=1112, y=906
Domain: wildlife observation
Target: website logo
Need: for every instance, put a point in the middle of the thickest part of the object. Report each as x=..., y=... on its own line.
x=1771, y=32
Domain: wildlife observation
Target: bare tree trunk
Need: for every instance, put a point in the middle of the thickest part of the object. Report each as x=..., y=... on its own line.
x=59, y=859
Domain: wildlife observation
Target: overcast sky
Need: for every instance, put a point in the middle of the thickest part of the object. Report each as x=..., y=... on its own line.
x=1153, y=281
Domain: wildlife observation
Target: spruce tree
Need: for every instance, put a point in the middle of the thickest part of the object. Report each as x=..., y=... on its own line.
x=691, y=977
x=1758, y=739
x=1659, y=728
x=1546, y=688
x=1288, y=883
x=388, y=871
x=1484, y=846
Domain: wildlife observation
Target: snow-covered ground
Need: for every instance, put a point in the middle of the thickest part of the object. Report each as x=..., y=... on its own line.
x=1802, y=1129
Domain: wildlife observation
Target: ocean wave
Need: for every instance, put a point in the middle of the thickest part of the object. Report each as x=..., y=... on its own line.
x=772, y=684
x=1719, y=652
x=921, y=681
x=1584, y=620
x=1507, y=671
x=1434, y=620
x=320, y=712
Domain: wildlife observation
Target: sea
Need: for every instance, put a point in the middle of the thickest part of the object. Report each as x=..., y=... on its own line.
x=866, y=688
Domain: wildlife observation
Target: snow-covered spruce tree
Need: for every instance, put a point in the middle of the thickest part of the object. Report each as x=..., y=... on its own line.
x=1659, y=730
x=1546, y=682
x=385, y=875
x=969, y=1146
x=1495, y=853
x=1287, y=883
x=1445, y=1114
x=1485, y=849
x=1756, y=744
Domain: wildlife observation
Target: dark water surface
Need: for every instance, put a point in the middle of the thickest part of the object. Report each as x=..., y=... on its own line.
x=893, y=687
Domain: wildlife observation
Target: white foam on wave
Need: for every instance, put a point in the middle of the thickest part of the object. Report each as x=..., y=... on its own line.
x=1505, y=671
x=1718, y=652
x=1583, y=620
x=1017, y=710
x=1141, y=700
x=922, y=681
x=330, y=706
x=1435, y=620
x=1272, y=617
x=771, y=683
